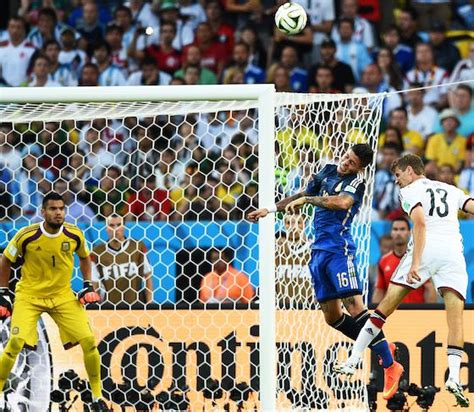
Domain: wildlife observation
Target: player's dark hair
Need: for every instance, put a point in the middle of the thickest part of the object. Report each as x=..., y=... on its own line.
x=364, y=152
x=51, y=196
x=411, y=160
x=401, y=219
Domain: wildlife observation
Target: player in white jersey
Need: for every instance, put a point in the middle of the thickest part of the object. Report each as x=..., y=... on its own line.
x=435, y=251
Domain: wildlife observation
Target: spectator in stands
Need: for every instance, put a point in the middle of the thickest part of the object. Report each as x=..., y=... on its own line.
x=349, y=51
x=432, y=10
x=461, y=103
x=324, y=81
x=298, y=75
x=192, y=11
x=47, y=29
x=34, y=183
x=214, y=55
x=400, y=234
x=89, y=75
x=302, y=42
x=192, y=56
x=192, y=74
x=10, y=155
x=233, y=75
x=407, y=26
x=109, y=74
x=78, y=175
x=97, y=155
x=143, y=157
x=243, y=12
x=412, y=140
x=391, y=72
x=149, y=75
x=15, y=54
x=421, y=117
x=446, y=55
x=89, y=26
x=393, y=135
x=386, y=202
x=143, y=14
x=403, y=54
x=258, y=53
x=224, y=284
x=223, y=31
x=428, y=74
x=59, y=73
x=124, y=19
x=342, y=72
x=70, y=55
x=170, y=13
x=40, y=76
x=466, y=178
x=240, y=60
x=167, y=57
x=469, y=161
x=293, y=280
x=149, y=203
x=363, y=32
x=114, y=38
x=120, y=268
x=77, y=211
x=321, y=17
x=280, y=76
x=464, y=69
x=446, y=174
x=10, y=198
x=108, y=196
x=77, y=17
x=447, y=147
x=372, y=79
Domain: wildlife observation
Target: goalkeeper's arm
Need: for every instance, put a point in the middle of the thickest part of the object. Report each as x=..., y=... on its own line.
x=87, y=294
x=5, y=299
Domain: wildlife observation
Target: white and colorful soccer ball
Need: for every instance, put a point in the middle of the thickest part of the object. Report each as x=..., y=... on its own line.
x=291, y=18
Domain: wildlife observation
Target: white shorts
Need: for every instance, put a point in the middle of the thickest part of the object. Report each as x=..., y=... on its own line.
x=447, y=269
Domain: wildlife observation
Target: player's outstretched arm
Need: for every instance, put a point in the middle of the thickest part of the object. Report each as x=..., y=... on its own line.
x=279, y=207
x=88, y=293
x=5, y=299
x=340, y=202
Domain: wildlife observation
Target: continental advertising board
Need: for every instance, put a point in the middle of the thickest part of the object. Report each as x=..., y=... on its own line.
x=158, y=350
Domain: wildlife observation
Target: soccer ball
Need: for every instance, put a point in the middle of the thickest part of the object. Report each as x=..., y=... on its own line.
x=291, y=18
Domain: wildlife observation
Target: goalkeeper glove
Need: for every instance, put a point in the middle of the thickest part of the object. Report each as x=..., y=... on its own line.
x=88, y=294
x=5, y=303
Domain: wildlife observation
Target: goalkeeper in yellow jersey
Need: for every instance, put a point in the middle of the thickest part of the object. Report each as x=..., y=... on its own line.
x=47, y=249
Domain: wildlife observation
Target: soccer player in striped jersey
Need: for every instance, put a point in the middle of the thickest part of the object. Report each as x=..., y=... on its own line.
x=47, y=249
x=337, y=192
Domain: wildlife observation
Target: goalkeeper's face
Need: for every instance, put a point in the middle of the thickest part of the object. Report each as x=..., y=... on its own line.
x=54, y=213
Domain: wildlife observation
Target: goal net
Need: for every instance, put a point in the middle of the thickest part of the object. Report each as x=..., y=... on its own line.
x=201, y=310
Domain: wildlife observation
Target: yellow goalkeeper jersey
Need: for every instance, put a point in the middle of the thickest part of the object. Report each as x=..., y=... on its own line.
x=48, y=259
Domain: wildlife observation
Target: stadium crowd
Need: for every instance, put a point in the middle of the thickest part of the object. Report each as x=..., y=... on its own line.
x=347, y=47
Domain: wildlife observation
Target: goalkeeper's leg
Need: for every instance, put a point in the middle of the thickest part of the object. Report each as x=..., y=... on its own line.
x=8, y=358
x=92, y=364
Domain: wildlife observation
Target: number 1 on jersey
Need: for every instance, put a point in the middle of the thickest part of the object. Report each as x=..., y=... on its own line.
x=54, y=260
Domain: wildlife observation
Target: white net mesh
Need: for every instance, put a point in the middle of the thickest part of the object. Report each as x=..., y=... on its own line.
x=183, y=175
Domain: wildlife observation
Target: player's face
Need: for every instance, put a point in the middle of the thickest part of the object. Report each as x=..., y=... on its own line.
x=294, y=225
x=400, y=232
x=349, y=164
x=403, y=177
x=54, y=213
x=115, y=229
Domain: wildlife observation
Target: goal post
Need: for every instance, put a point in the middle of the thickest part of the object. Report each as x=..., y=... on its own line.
x=232, y=148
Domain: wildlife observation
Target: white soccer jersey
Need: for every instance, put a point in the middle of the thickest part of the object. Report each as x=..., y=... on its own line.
x=442, y=259
x=112, y=76
x=441, y=203
x=434, y=77
x=14, y=61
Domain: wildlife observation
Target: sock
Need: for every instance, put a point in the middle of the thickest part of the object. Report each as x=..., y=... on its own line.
x=8, y=358
x=379, y=344
x=347, y=326
x=370, y=330
x=454, y=362
x=92, y=364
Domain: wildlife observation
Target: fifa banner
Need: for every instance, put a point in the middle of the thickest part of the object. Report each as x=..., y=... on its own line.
x=145, y=354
